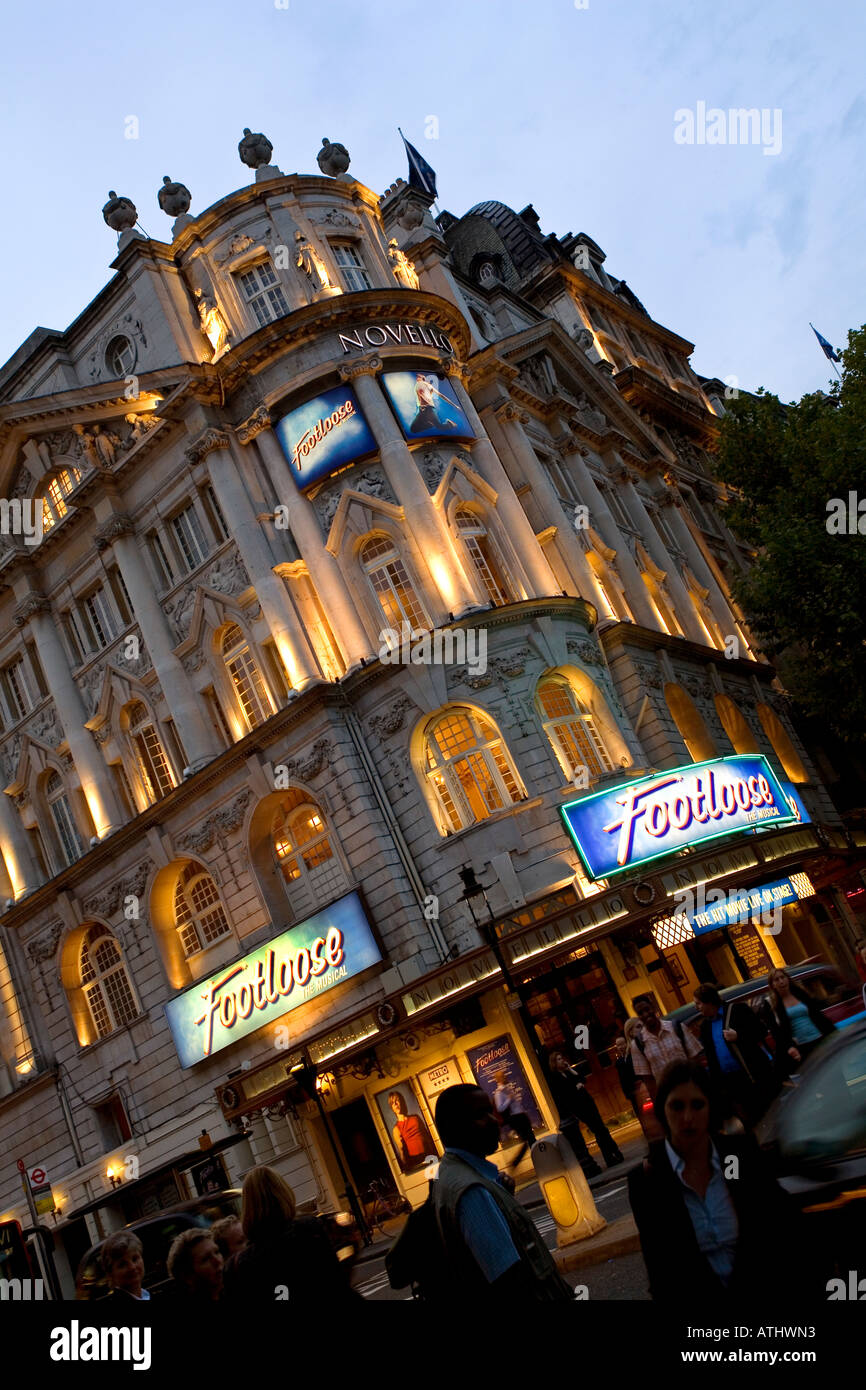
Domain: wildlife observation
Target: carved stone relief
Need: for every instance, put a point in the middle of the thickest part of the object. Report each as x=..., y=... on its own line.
x=110, y=900
x=229, y=575
x=393, y=719
x=43, y=946
x=222, y=822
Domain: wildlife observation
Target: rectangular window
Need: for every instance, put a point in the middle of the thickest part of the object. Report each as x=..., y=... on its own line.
x=218, y=719
x=16, y=688
x=75, y=637
x=112, y=1122
x=277, y=676
x=190, y=537
x=165, y=575
x=175, y=747
x=100, y=618
x=351, y=267
x=261, y=290
x=214, y=511
x=617, y=509
x=67, y=833
x=36, y=668
x=124, y=790
x=121, y=597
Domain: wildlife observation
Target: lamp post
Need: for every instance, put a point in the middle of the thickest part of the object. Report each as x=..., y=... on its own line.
x=472, y=889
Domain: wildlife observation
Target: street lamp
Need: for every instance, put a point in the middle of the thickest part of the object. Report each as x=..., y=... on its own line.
x=304, y=1073
x=472, y=889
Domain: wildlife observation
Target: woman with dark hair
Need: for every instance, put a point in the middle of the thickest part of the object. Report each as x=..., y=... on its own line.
x=795, y=1021
x=703, y=1203
x=286, y=1257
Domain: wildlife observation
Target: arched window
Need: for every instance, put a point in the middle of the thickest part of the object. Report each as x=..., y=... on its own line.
x=68, y=838
x=468, y=767
x=302, y=845
x=249, y=686
x=392, y=585
x=105, y=983
x=735, y=726
x=199, y=916
x=688, y=719
x=54, y=497
x=571, y=729
x=154, y=770
x=783, y=747
x=485, y=556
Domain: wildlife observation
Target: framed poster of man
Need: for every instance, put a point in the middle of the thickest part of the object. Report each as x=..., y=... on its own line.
x=495, y=1065
x=426, y=406
x=406, y=1126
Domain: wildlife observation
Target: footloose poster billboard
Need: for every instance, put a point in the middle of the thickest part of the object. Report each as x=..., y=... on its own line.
x=327, y=433
x=426, y=406
x=312, y=957
x=648, y=818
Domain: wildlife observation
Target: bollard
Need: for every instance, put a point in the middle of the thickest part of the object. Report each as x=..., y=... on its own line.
x=565, y=1190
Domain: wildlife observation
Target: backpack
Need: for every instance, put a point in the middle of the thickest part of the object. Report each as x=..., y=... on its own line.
x=678, y=1027
x=417, y=1259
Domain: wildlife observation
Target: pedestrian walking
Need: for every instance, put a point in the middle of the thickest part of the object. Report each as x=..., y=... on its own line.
x=574, y=1101
x=795, y=1020
x=704, y=1203
x=122, y=1259
x=491, y=1247
x=732, y=1036
x=657, y=1043
x=628, y=1082
x=196, y=1266
x=511, y=1116
x=286, y=1256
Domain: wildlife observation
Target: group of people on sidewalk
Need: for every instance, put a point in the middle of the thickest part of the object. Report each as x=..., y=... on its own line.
x=713, y=1223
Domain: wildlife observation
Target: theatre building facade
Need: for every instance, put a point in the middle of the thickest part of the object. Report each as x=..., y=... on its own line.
x=374, y=711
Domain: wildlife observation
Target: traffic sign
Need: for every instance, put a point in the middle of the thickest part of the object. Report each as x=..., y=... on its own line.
x=22, y=1166
x=38, y=1178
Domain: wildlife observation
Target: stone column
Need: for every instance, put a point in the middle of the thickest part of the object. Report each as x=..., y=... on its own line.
x=323, y=566
x=89, y=762
x=195, y=734
x=660, y=556
x=542, y=580
x=427, y=524
x=507, y=422
x=21, y=867
x=225, y=465
x=603, y=521
x=697, y=564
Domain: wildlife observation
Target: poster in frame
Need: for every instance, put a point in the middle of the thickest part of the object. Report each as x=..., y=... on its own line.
x=495, y=1064
x=407, y=1128
x=426, y=406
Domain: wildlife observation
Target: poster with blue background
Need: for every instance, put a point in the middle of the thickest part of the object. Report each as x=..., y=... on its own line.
x=324, y=434
x=426, y=406
x=496, y=1064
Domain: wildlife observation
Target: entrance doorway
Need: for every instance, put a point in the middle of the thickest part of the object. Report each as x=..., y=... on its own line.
x=362, y=1148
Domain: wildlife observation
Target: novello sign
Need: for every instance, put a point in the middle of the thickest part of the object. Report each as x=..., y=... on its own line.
x=378, y=334
x=618, y=829
x=294, y=968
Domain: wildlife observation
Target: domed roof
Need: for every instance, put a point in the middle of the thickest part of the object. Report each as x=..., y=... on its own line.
x=519, y=233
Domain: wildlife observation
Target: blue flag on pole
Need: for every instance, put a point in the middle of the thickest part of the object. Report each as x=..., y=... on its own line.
x=827, y=348
x=421, y=176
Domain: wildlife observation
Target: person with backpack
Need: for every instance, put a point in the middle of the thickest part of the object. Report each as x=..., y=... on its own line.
x=472, y=1242
x=658, y=1043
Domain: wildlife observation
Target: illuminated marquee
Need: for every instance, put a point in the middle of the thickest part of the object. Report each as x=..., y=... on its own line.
x=306, y=961
x=326, y=433
x=617, y=829
x=744, y=903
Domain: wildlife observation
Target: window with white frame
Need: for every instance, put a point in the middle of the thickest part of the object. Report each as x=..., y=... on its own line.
x=396, y=593
x=247, y=681
x=262, y=292
x=120, y=355
x=154, y=770
x=351, y=267
x=54, y=496
x=469, y=769
x=100, y=619
x=199, y=916
x=302, y=845
x=190, y=537
x=165, y=573
x=68, y=838
x=18, y=688
x=218, y=521
x=571, y=728
x=485, y=557
x=105, y=983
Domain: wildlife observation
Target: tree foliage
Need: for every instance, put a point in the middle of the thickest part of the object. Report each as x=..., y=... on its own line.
x=792, y=468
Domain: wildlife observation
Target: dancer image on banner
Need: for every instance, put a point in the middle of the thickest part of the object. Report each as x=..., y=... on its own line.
x=430, y=414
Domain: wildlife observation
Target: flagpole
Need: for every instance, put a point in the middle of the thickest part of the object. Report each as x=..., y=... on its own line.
x=831, y=360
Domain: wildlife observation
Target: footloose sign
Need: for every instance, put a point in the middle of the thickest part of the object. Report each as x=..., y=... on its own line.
x=625, y=826
x=261, y=987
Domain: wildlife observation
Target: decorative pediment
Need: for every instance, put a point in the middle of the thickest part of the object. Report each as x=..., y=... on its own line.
x=357, y=513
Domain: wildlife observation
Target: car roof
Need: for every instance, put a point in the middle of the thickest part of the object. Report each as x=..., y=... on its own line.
x=805, y=969
x=180, y=1209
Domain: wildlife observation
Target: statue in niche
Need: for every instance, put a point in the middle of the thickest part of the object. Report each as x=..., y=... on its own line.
x=213, y=324
x=99, y=444
x=311, y=263
x=139, y=426
x=404, y=269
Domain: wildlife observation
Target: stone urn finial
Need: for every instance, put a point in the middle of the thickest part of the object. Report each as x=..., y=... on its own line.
x=255, y=150
x=119, y=213
x=174, y=198
x=332, y=159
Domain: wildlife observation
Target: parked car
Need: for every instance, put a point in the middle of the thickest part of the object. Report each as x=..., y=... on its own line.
x=840, y=998
x=814, y=1135
x=156, y=1234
